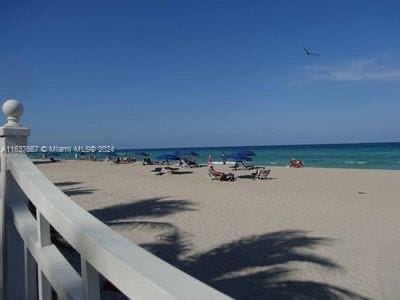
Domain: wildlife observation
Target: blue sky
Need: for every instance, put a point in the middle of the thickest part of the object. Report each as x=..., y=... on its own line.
x=203, y=73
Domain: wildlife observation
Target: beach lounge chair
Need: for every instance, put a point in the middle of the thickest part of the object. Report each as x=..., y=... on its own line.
x=158, y=171
x=52, y=159
x=235, y=166
x=195, y=165
x=247, y=167
x=242, y=166
x=172, y=170
x=192, y=164
x=262, y=174
x=117, y=160
x=221, y=176
x=183, y=163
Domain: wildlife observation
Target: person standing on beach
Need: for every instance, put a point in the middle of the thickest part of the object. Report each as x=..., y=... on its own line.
x=210, y=159
x=223, y=158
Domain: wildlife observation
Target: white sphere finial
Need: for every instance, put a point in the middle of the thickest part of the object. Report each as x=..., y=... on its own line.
x=13, y=109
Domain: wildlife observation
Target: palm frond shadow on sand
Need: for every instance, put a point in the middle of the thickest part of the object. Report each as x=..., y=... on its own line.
x=140, y=211
x=67, y=189
x=255, y=267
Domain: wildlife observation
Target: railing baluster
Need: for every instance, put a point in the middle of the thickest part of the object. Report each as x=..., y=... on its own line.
x=43, y=230
x=44, y=287
x=91, y=281
x=30, y=275
x=44, y=240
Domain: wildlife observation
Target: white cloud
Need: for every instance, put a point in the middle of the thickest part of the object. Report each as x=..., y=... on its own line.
x=367, y=69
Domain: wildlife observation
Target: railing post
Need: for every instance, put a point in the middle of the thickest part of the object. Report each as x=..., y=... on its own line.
x=11, y=134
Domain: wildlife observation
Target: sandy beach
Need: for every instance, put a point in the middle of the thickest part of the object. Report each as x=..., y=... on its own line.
x=306, y=233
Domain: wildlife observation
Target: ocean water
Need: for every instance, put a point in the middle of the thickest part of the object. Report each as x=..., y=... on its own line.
x=354, y=156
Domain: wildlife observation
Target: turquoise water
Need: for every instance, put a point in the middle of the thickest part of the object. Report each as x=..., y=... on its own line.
x=355, y=156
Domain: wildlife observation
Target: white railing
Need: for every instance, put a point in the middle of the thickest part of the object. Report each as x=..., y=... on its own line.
x=31, y=266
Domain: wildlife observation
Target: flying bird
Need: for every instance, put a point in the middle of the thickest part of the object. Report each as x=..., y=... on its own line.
x=308, y=52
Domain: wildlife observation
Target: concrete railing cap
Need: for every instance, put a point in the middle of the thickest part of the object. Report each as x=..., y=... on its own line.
x=13, y=109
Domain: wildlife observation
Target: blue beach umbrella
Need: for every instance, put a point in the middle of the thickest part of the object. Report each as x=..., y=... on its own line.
x=246, y=152
x=238, y=157
x=181, y=153
x=168, y=156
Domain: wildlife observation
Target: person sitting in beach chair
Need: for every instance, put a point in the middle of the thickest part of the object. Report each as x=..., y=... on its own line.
x=147, y=161
x=294, y=163
x=192, y=162
x=125, y=160
x=221, y=176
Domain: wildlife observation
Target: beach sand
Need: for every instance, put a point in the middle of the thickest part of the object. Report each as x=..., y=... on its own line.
x=306, y=233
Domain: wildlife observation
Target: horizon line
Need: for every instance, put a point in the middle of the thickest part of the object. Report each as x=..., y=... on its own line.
x=250, y=146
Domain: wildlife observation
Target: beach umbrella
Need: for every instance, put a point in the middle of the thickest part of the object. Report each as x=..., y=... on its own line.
x=238, y=157
x=168, y=156
x=185, y=152
x=246, y=152
x=143, y=153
